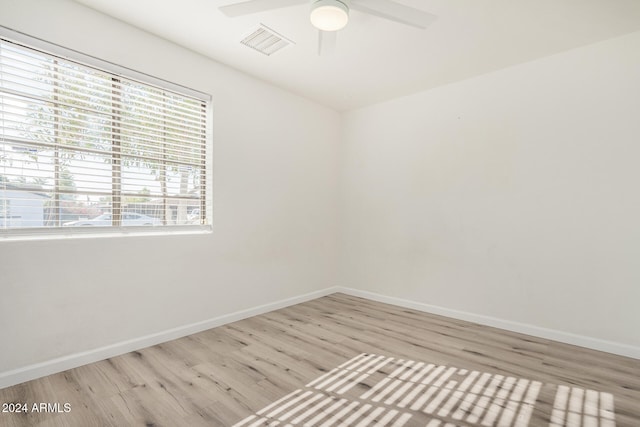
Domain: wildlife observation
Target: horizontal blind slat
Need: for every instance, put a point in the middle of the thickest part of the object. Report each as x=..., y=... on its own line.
x=15, y=121
x=79, y=94
x=170, y=121
x=99, y=79
x=181, y=149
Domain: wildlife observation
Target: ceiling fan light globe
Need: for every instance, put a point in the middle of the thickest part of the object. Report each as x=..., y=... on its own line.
x=329, y=15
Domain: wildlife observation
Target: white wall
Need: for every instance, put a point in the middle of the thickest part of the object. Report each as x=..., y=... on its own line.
x=274, y=211
x=513, y=195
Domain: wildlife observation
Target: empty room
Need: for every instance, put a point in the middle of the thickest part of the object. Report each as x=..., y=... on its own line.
x=252, y=213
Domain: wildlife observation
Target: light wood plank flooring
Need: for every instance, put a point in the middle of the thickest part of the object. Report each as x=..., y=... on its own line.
x=228, y=374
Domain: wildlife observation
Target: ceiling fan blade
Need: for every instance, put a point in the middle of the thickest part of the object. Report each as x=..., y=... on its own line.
x=393, y=11
x=255, y=6
x=327, y=41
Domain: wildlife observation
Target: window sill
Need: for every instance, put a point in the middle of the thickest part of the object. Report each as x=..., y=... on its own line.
x=97, y=233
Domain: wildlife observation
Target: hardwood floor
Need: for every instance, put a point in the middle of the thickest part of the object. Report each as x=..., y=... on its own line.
x=377, y=363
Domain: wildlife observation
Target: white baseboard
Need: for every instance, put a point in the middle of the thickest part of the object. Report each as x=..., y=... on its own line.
x=60, y=364
x=523, y=328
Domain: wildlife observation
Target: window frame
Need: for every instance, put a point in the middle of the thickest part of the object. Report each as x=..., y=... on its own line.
x=39, y=233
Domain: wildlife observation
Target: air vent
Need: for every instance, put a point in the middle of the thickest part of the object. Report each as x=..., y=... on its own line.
x=266, y=41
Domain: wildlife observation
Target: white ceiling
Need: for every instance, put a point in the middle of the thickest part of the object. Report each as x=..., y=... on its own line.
x=376, y=59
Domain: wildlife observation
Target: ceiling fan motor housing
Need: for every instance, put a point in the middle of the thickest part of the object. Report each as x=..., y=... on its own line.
x=329, y=15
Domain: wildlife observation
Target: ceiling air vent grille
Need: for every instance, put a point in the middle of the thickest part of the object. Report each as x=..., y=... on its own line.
x=266, y=41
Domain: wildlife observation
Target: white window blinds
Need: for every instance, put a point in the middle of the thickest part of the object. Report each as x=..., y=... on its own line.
x=82, y=147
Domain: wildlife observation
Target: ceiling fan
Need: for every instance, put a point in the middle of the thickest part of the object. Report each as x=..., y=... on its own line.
x=329, y=16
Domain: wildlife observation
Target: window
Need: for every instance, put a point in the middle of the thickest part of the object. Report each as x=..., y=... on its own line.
x=86, y=147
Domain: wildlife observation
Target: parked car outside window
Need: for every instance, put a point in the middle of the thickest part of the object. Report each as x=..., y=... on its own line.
x=104, y=220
